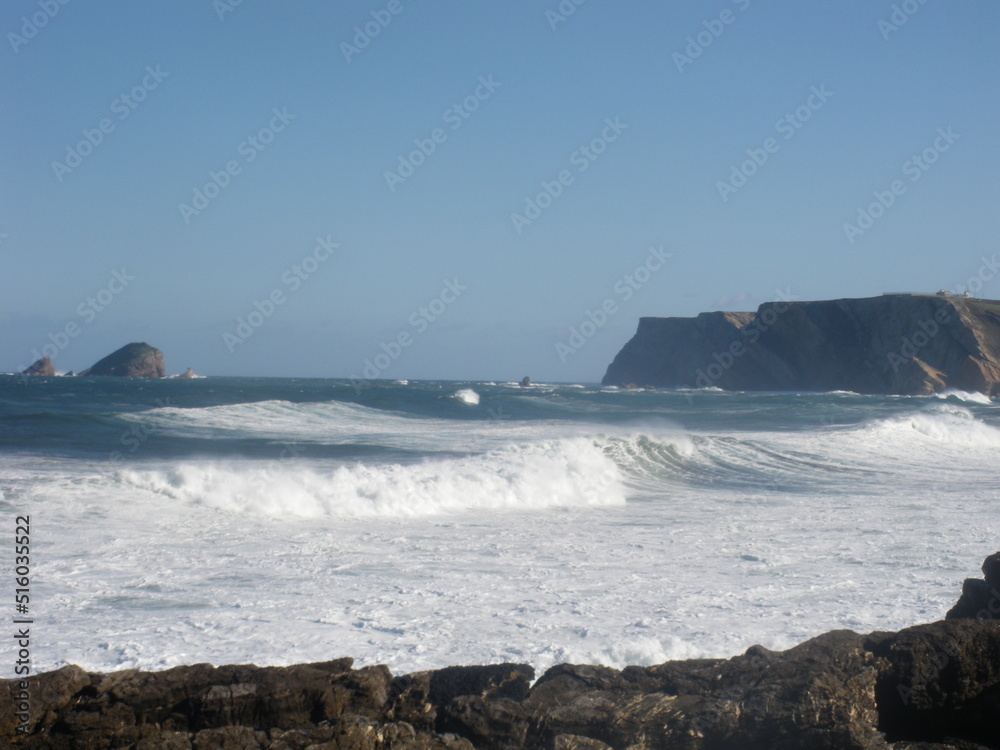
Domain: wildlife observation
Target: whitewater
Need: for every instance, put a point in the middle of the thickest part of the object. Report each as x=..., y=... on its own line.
x=423, y=524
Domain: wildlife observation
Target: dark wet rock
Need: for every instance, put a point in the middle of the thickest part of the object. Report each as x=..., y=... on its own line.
x=45, y=696
x=496, y=724
x=820, y=694
x=137, y=360
x=991, y=570
x=941, y=680
x=563, y=682
x=42, y=367
x=980, y=598
x=489, y=682
x=419, y=698
x=576, y=742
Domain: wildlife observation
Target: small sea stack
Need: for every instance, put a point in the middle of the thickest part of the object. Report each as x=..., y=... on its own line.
x=137, y=360
x=42, y=367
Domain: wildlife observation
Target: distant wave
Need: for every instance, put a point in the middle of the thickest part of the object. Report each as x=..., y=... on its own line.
x=467, y=396
x=282, y=418
x=751, y=462
x=967, y=396
x=944, y=423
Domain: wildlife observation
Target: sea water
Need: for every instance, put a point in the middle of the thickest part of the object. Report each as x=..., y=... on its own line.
x=423, y=524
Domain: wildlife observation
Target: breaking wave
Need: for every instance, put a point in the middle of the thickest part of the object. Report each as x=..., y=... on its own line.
x=942, y=423
x=567, y=472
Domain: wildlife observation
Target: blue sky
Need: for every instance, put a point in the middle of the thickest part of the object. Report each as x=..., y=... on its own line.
x=476, y=180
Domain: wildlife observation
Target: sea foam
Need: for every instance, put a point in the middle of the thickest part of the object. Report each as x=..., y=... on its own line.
x=566, y=472
x=467, y=396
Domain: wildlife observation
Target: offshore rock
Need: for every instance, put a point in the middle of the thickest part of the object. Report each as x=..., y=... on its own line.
x=894, y=344
x=137, y=360
x=42, y=367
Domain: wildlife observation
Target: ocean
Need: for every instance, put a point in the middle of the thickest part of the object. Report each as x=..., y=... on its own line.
x=424, y=524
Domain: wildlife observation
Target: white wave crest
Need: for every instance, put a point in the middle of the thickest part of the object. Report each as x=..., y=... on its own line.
x=944, y=423
x=566, y=472
x=273, y=419
x=467, y=396
x=968, y=397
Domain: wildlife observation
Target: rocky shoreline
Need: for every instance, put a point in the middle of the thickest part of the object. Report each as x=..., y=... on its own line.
x=930, y=687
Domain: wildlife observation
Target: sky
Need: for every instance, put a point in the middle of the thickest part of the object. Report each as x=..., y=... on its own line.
x=476, y=190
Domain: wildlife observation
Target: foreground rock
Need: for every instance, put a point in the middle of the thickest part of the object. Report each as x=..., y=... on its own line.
x=42, y=367
x=980, y=596
x=895, y=344
x=131, y=361
x=930, y=687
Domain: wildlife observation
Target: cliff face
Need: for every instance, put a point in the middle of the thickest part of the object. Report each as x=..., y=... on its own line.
x=898, y=344
x=131, y=361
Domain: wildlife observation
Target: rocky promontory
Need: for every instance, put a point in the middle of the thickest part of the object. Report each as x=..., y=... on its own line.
x=906, y=344
x=137, y=360
x=42, y=367
x=929, y=687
